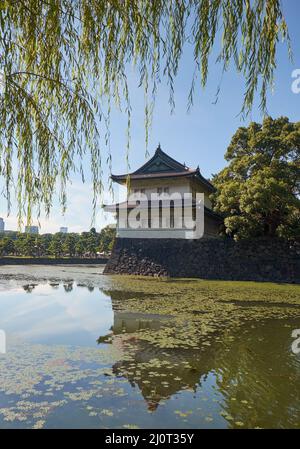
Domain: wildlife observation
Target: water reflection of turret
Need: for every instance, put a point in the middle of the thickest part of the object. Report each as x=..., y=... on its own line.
x=68, y=287
x=251, y=366
x=119, y=296
x=159, y=373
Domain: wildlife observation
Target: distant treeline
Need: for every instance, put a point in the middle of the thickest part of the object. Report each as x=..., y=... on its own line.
x=86, y=244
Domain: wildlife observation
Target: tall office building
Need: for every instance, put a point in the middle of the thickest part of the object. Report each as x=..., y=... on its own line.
x=32, y=229
x=63, y=230
x=2, y=225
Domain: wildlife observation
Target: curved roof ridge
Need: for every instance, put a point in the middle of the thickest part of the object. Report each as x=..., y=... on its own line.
x=164, y=166
x=159, y=153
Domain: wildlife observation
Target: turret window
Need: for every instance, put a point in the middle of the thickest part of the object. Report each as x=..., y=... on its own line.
x=162, y=190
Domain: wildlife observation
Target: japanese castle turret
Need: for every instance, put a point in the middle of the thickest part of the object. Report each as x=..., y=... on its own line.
x=164, y=179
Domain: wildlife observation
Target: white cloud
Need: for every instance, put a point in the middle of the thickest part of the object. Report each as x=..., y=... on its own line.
x=52, y=312
x=78, y=216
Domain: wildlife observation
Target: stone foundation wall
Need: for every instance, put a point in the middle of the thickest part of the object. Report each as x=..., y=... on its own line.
x=256, y=260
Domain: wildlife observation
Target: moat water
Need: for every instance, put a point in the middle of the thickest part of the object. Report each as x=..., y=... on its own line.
x=84, y=350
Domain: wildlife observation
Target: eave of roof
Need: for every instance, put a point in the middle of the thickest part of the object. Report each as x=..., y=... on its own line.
x=177, y=170
x=144, y=205
x=122, y=179
x=189, y=172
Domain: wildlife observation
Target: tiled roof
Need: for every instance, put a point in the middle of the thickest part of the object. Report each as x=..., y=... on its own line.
x=188, y=172
x=161, y=165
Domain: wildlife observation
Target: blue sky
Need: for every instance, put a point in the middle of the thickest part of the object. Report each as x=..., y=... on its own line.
x=199, y=137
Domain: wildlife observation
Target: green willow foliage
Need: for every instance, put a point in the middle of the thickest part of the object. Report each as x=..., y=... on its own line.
x=62, y=62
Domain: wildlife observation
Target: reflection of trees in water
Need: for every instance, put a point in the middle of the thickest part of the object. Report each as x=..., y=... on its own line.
x=89, y=287
x=262, y=375
x=253, y=367
x=68, y=287
x=28, y=288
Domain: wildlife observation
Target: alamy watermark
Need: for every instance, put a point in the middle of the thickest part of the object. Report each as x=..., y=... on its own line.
x=296, y=342
x=295, y=86
x=2, y=342
x=161, y=215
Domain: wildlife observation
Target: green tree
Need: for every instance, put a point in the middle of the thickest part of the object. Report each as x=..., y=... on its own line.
x=79, y=247
x=63, y=62
x=26, y=245
x=39, y=246
x=56, y=245
x=258, y=192
x=107, y=238
x=7, y=247
x=19, y=244
x=46, y=241
x=92, y=242
x=69, y=245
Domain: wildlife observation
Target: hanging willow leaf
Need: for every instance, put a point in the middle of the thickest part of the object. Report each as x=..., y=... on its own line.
x=62, y=62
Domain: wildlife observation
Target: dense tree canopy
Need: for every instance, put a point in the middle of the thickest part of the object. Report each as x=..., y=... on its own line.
x=259, y=191
x=62, y=62
x=87, y=244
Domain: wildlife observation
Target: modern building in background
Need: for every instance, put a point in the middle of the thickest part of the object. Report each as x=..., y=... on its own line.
x=63, y=230
x=32, y=229
x=2, y=225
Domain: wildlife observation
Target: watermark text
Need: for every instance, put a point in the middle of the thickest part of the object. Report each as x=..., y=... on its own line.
x=2, y=342
x=296, y=342
x=296, y=83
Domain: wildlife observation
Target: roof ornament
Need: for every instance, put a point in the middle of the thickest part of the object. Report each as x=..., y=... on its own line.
x=159, y=147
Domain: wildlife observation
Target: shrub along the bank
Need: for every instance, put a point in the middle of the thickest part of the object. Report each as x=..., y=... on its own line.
x=86, y=244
